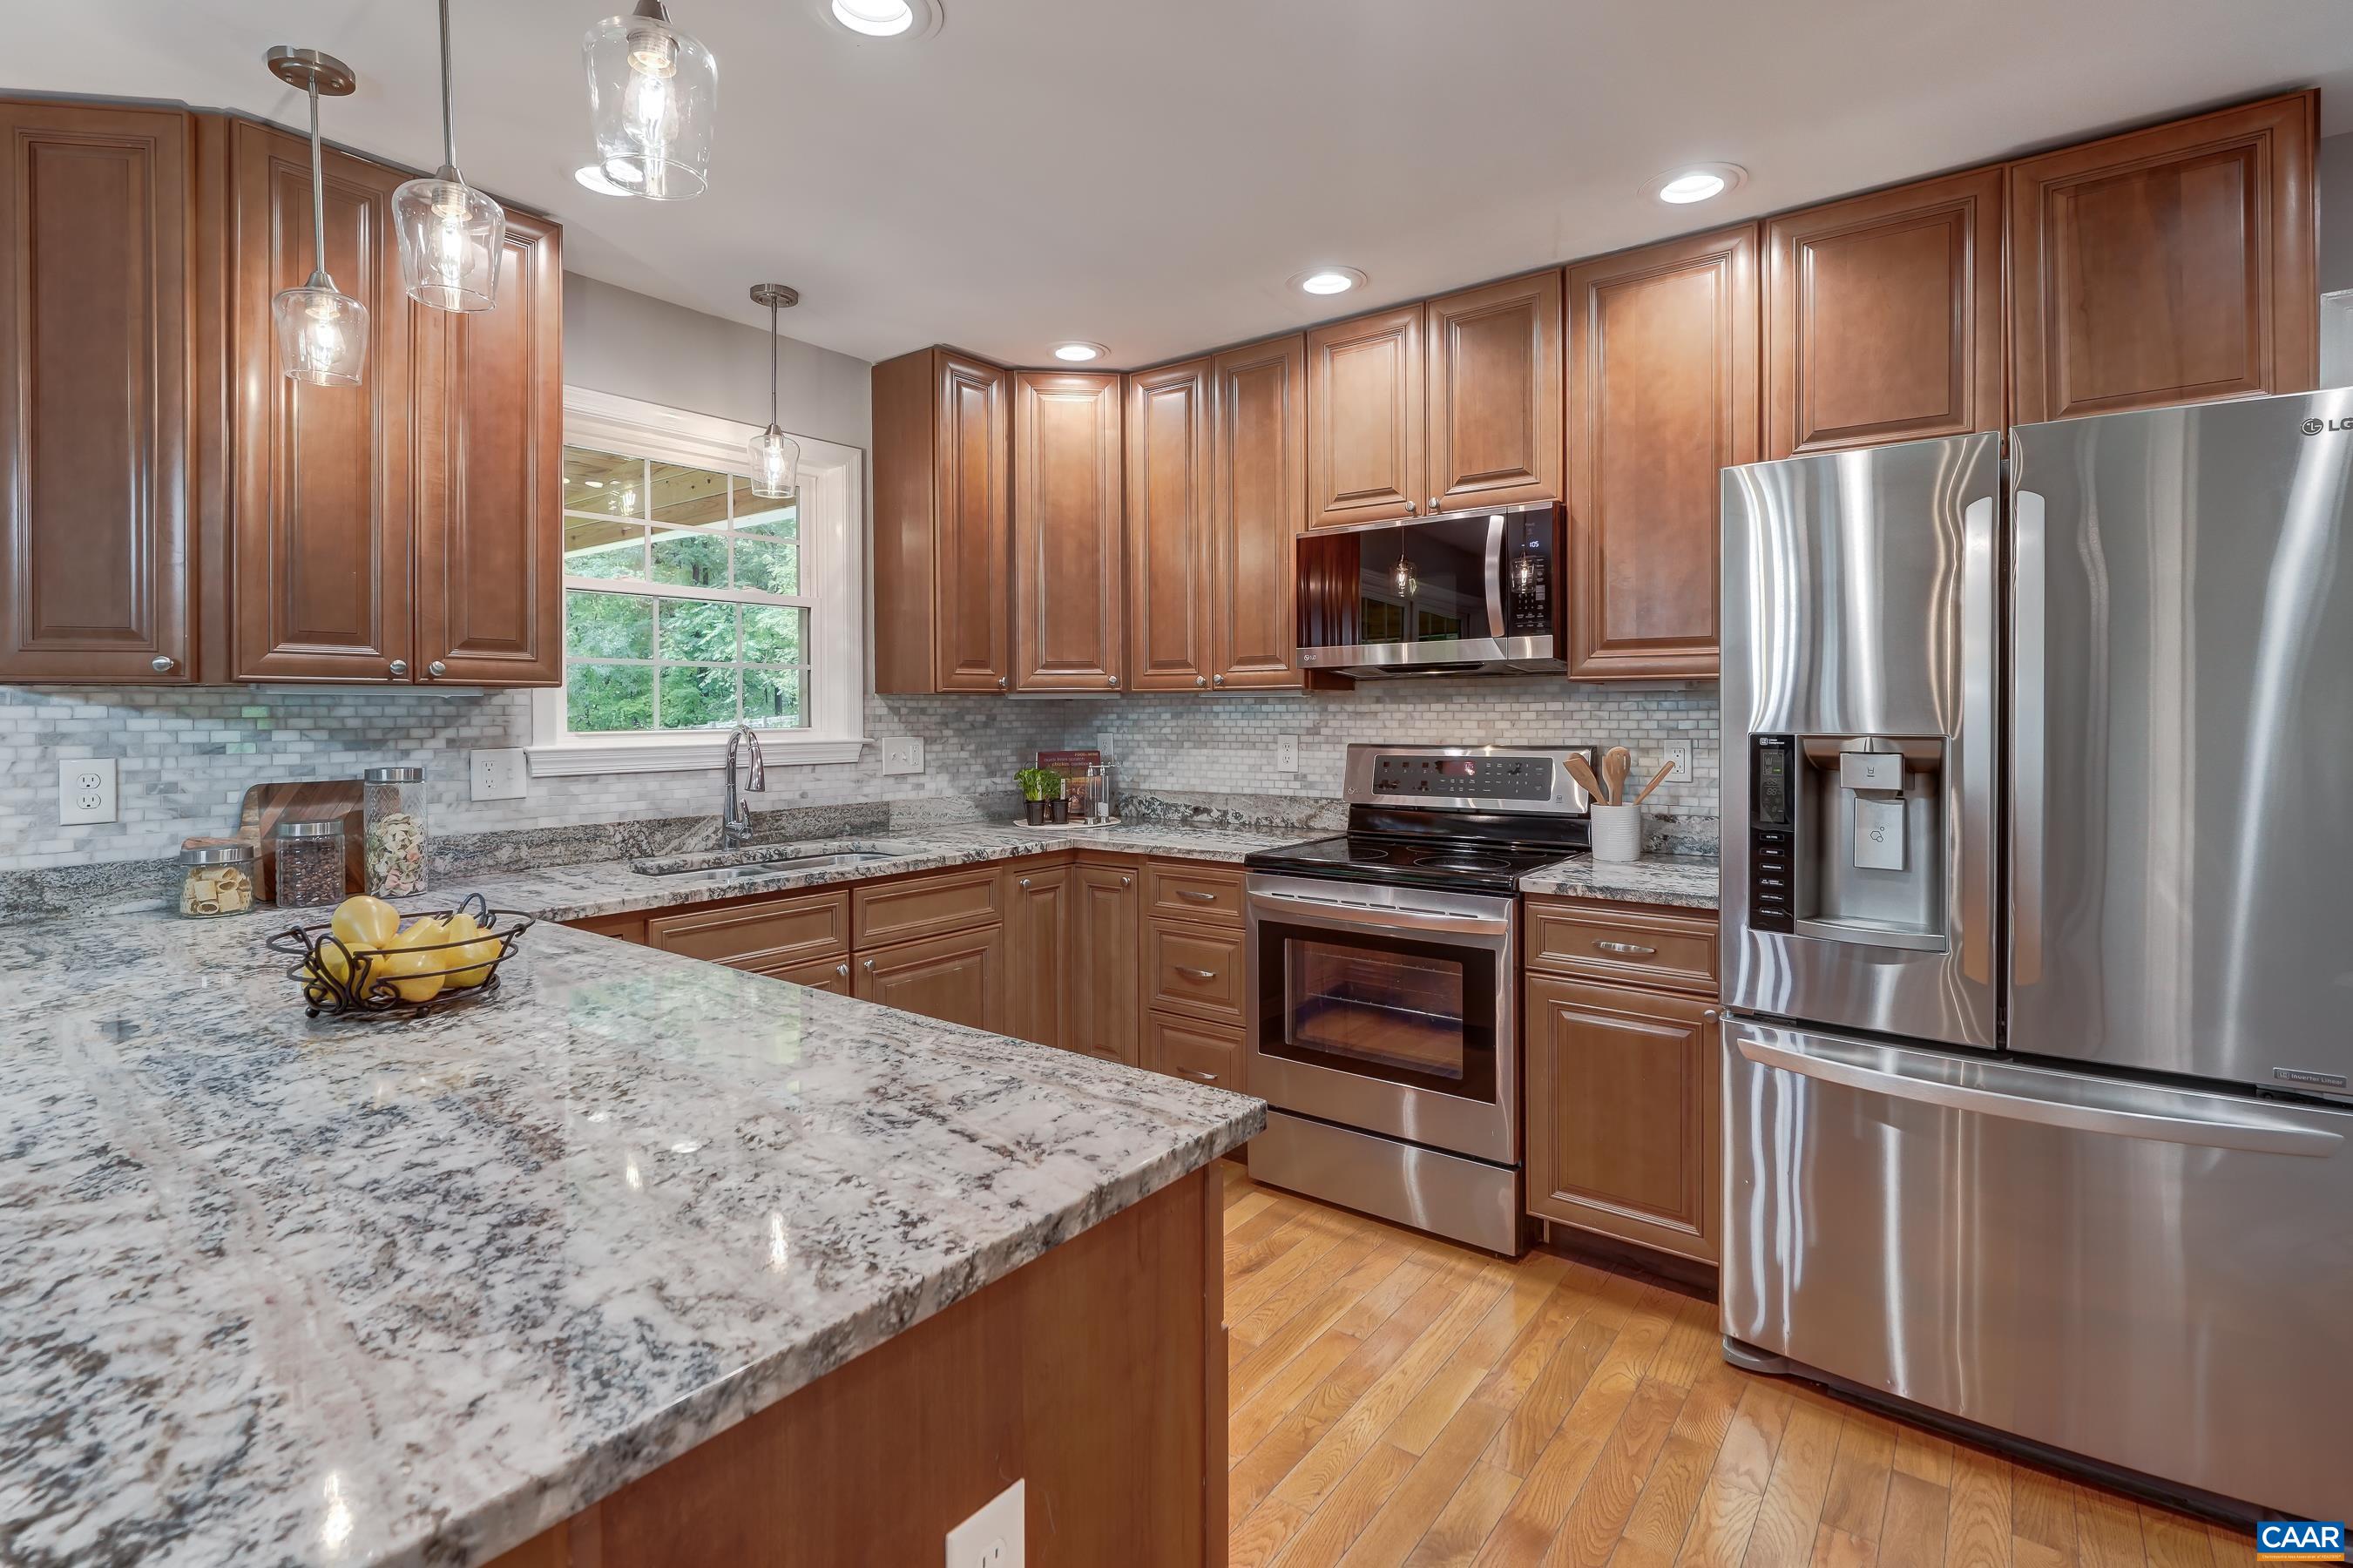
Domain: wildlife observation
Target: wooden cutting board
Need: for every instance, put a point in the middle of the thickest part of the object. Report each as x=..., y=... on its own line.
x=315, y=800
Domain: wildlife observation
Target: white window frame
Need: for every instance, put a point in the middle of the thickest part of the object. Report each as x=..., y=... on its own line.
x=832, y=535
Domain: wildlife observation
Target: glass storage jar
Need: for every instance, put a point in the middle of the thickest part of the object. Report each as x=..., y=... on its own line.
x=393, y=806
x=309, y=863
x=217, y=876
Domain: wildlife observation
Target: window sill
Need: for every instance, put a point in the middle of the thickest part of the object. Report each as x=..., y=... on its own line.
x=664, y=755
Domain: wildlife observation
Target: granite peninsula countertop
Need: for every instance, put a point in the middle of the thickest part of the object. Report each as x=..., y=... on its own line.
x=281, y=1292
x=1682, y=881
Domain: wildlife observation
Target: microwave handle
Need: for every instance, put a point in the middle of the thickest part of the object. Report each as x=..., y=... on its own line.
x=1495, y=576
x=1336, y=911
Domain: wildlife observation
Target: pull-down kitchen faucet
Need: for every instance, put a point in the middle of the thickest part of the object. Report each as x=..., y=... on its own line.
x=734, y=816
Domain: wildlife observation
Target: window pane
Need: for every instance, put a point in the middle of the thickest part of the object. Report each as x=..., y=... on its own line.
x=607, y=626
x=602, y=549
x=777, y=698
x=768, y=565
x=697, y=633
x=691, y=498
x=759, y=514
x=772, y=634
x=697, y=697
x=693, y=560
x=599, y=482
x=599, y=697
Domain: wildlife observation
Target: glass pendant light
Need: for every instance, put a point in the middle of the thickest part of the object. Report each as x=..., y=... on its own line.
x=321, y=332
x=451, y=235
x=653, y=95
x=776, y=457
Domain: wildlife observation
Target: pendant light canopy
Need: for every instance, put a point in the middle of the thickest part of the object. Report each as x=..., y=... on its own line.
x=653, y=95
x=776, y=457
x=451, y=234
x=321, y=332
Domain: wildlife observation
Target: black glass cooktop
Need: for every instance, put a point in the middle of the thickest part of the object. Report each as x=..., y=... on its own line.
x=1470, y=866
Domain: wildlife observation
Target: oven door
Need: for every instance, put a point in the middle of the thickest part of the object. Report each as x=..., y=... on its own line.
x=1387, y=1009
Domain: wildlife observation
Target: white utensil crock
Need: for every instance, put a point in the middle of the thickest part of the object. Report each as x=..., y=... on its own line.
x=1617, y=831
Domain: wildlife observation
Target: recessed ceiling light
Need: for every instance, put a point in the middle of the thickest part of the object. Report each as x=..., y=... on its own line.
x=1328, y=281
x=594, y=177
x=1696, y=183
x=885, y=18
x=1079, y=352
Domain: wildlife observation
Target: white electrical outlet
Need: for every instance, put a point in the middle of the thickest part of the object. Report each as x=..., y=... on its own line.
x=902, y=754
x=1107, y=746
x=992, y=1537
x=86, y=790
x=1286, y=753
x=1678, y=754
x=500, y=776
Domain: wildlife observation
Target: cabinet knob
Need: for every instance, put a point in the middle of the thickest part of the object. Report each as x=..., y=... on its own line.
x=1200, y=680
x=1409, y=509
x=1433, y=503
x=1711, y=1016
x=399, y=668
x=1025, y=881
x=841, y=969
x=870, y=966
x=437, y=670
x=1000, y=683
x=163, y=664
x=1110, y=680
x=1127, y=881
x=1217, y=680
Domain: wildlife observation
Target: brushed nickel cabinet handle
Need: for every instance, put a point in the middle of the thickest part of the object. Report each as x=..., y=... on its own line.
x=1023, y=882
x=1191, y=973
x=1634, y=949
x=1110, y=680
x=1196, y=1075
x=1127, y=881
x=1217, y=680
x=163, y=664
x=870, y=966
x=399, y=667
x=437, y=670
x=842, y=969
x=1408, y=509
x=1196, y=896
x=1000, y=683
x=1200, y=680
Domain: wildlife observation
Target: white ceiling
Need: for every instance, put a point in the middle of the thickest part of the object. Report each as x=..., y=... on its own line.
x=1146, y=174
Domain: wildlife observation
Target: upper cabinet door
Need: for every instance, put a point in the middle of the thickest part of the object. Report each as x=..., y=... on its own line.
x=1365, y=418
x=1066, y=531
x=1662, y=396
x=2171, y=265
x=1170, y=428
x=1883, y=317
x=1494, y=395
x=1259, y=506
x=489, y=434
x=972, y=499
x=321, y=473
x=94, y=521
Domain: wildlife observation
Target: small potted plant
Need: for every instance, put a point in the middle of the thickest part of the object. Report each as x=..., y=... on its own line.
x=1058, y=800
x=1033, y=793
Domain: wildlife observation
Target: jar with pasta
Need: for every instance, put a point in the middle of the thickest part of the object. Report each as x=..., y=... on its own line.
x=217, y=876
x=393, y=806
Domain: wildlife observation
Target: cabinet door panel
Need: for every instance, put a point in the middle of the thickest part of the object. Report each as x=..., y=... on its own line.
x=1365, y=413
x=489, y=432
x=2172, y=265
x=1623, y=1114
x=1194, y=970
x=1037, y=947
x=1170, y=428
x=1106, y=998
x=323, y=510
x=1883, y=317
x=1259, y=507
x=973, y=495
x=1066, y=532
x=93, y=363
x=1494, y=395
x=956, y=979
x=1662, y=396
x=768, y=935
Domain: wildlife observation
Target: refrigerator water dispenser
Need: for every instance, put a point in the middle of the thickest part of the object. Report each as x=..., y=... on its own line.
x=1847, y=839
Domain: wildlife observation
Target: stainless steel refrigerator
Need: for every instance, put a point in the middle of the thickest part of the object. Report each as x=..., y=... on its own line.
x=2038, y=965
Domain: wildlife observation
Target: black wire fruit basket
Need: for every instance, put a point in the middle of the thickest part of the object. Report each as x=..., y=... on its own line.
x=341, y=980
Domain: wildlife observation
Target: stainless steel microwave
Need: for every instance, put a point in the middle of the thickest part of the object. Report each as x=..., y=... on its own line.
x=1461, y=593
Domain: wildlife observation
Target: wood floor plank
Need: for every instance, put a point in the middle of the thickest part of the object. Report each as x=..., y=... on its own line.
x=1755, y=1437
x=2232, y=1548
x=1318, y=1318
x=1924, y=1455
x=1467, y=1520
x=1244, y=1207
x=1692, y=1345
x=1413, y=1509
x=1251, y=1421
x=1342, y=1516
x=1662, y=1515
x=1834, y=1548
x=1857, y=1499
x=1588, y=1536
x=2173, y=1540
x=1273, y=1302
x=2107, y=1530
x=1553, y=1482
x=1784, y=1532
x=1913, y=1534
x=1310, y=1245
x=1550, y=1398
x=1719, y=1533
x=2042, y=1509
x=1978, y=1521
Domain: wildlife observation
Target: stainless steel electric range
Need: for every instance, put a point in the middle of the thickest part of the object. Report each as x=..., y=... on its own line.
x=1382, y=969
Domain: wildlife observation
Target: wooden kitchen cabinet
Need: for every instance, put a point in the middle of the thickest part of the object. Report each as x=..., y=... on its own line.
x=1257, y=506
x=1494, y=390
x=1196, y=970
x=1663, y=382
x=1171, y=434
x=1106, y=998
x=95, y=520
x=1883, y=317
x=942, y=523
x=1365, y=418
x=2170, y=264
x=1037, y=898
x=1201, y=1052
x=768, y=936
x=1068, y=590
x=960, y=978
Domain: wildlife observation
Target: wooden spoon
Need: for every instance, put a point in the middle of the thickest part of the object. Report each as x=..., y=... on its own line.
x=1582, y=771
x=1615, y=764
x=1656, y=780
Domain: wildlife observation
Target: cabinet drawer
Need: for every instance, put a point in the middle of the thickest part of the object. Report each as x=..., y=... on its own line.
x=1195, y=970
x=925, y=906
x=1200, y=1052
x=826, y=975
x=1609, y=941
x=773, y=934
x=1192, y=892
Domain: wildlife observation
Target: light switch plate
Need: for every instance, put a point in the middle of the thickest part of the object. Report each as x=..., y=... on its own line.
x=992, y=1537
x=1286, y=753
x=86, y=790
x=499, y=775
x=902, y=754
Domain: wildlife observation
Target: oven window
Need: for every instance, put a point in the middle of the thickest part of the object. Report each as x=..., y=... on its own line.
x=1413, y=1012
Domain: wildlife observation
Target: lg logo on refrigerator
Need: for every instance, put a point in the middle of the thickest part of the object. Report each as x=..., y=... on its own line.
x=2314, y=426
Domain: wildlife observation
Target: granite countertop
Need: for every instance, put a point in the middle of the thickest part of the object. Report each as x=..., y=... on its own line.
x=276, y=1290
x=1682, y=881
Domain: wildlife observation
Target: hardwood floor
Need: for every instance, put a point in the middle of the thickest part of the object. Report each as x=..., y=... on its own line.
x=1398, y=1402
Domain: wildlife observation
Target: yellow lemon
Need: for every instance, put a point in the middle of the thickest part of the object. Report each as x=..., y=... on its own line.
x=363, y=921
x=478, y=953
x=415, y=973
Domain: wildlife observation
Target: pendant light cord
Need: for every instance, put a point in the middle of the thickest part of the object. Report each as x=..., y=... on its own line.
x=319, y=277
x=772, y=305
x=448, y=109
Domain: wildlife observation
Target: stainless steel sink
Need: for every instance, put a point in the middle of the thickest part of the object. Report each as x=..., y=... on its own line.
x=752, y=863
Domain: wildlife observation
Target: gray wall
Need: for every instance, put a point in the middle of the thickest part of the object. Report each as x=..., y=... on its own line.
x=636, y=346
x=2336, y=212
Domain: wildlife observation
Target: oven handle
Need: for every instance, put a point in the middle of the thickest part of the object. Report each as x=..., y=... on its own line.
x=1374, y=915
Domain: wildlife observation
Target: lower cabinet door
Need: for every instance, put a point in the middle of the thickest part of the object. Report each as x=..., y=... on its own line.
x=1623, y=1114
x=959, y=979
x=824, y=975
x=1182, y=1048
x=1106, y=1001
x=1038, y=944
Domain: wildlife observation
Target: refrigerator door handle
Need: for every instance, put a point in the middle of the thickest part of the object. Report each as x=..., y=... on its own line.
x=2254, y=1136
x=2027, y=672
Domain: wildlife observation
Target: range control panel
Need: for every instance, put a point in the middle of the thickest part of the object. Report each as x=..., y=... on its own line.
x=1772, y=832
x=1481, y=778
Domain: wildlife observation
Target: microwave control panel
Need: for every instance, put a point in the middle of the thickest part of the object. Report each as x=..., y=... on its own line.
x=1528, y=577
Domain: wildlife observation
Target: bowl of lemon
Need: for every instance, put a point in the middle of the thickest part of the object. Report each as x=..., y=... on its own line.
x=369, y=959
